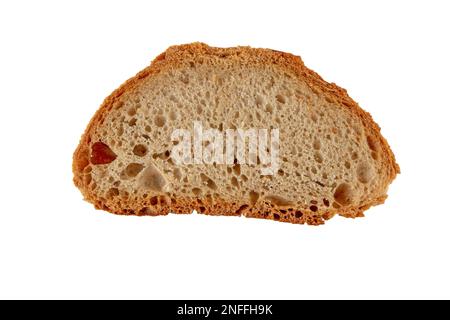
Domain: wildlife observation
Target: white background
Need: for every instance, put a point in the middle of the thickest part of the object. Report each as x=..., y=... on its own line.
x=60, y=59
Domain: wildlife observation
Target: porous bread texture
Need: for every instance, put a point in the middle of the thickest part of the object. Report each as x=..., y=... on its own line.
x=333, y=159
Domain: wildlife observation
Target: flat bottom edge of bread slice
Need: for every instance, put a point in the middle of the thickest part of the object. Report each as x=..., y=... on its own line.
x=333, y=158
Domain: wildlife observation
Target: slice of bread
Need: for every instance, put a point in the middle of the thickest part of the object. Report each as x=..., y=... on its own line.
x=331, y=158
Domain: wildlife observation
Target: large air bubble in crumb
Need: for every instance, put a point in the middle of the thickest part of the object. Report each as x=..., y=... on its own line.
x=364, y=172
x=343, y=194
x=279, y=201
x=152, y=179
x=133, y=169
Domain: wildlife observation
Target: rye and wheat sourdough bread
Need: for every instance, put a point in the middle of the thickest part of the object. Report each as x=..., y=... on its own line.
x=332, y=158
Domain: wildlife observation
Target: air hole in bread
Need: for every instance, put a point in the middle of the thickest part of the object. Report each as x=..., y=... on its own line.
x=343, y=194
x=154, y=201
x=112, y=192
x=87, y=179
x=235, y=182
x=278, y=200
x=316, y=144
x=132, y=122
x=140, y=150
x=209, y=198
x=120, y=131
x=208, y=181
x=298, y=214
x=164, y=200
x=145, y=211
x=372, y=143
x=196, y=191
x=241, y=209
x=318, y=157
x=177, y=174
x=152, y=179
x=160, y=121
x=281, y=99
x=319, y=183
x=101, y=154
x=364, y=172
x=131, y=111
x=254, y=196
x=133, y=169
x=163, y=155
x=237, y=169
x=374, y=155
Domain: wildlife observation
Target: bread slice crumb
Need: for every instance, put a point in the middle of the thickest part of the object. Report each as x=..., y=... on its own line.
x=332, y=156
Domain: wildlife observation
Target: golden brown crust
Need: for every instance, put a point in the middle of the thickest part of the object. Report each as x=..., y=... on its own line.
x=176, y=56
x=162, y=205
